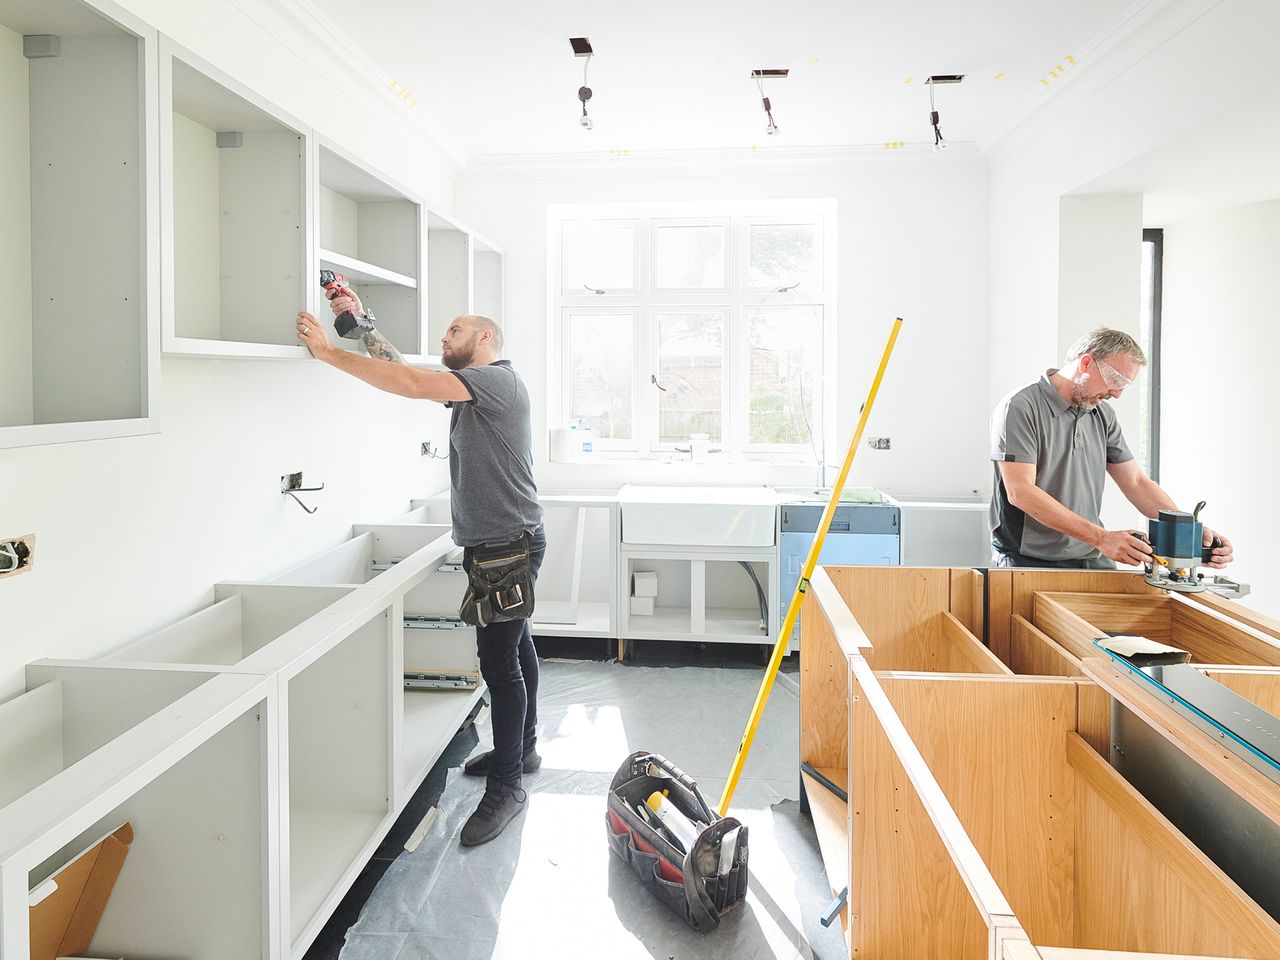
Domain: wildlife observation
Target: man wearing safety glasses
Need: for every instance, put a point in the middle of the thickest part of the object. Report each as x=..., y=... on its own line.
x=1053, y=442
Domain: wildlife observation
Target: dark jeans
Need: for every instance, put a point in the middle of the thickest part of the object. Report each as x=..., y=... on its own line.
x=999, y=559
x=509, y=666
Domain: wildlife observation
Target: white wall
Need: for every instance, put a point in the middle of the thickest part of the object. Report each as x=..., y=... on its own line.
x=1189, y=63
x=913, y=242
x=1222, y=334
x=132, y=533
x=16, y=394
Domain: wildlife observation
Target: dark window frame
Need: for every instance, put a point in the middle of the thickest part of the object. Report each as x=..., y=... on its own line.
x=1155, y=237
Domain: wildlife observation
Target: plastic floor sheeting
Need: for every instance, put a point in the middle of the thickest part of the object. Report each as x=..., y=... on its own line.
x=549, y=887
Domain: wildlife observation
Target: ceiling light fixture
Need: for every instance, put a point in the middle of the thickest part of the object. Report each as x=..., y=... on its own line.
x=760, y=76
x=933, y=81
x=582, y=48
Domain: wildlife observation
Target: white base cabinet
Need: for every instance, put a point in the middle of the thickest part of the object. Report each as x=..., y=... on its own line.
x=261, y=749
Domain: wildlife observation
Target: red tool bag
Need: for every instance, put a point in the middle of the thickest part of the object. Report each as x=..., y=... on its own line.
x=700, y=884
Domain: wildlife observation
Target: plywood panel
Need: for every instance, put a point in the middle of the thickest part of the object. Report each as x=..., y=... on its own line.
x=1143, y=886
x=1213, y=638
x=906, y=893
x=996, y=748
x=1034, y=653
x=1027, y=583
x=824, y=690
x=896, y=608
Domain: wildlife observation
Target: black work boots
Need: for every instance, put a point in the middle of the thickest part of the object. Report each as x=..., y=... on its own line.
x=498, y=807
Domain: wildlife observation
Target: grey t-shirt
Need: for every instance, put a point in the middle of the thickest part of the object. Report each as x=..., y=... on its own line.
x=1070, y=447
x=493, y=497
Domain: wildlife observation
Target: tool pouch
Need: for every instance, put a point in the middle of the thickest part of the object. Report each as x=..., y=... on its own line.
x=499, y=583
x=701, y=884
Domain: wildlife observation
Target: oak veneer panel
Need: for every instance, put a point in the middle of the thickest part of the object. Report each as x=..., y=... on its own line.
x=824, y=690
x=1027, y=583
x=1216, y=639
x=1070, y=631
x=999, y=611
x=1141, y=885
x=966, y=598
x=961, y=652
x=906, y=893
x=1238, y=611
x=1033, y=653
x=996, y=747
x=1260, y=686
x=1143, y=616
x=831, y=824
x=1093, y=716
x=897, y=608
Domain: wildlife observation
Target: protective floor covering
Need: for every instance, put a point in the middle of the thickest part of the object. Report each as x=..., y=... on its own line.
x=549, y=887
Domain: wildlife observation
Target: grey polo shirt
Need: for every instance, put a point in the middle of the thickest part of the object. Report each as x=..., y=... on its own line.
x=1070, y=447
x=492, y=493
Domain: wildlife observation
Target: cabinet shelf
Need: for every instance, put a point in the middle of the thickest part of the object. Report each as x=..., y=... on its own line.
x=358, y=271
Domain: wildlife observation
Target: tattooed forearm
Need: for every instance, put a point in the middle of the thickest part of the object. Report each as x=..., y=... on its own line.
x=379, y=347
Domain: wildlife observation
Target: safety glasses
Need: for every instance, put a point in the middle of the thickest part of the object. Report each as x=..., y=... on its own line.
x=1112, y=377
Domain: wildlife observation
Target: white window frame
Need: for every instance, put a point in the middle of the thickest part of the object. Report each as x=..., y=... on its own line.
x=737, y=302
x=638, y=263
x=639, y=430
x=657, y=223
x=655, y=443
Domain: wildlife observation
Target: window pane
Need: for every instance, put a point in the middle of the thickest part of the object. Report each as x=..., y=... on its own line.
x=1145, y=317
x=784, y=378
x=783, y=254
x=691, y=371
x=600, y=372
x=600, y=255
x=689, y=257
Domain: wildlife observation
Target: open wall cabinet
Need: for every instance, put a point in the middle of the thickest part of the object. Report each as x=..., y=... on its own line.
x=963, y=793
x=79, y=201
x=255, y=203
x=237, y=237
x=371, y=232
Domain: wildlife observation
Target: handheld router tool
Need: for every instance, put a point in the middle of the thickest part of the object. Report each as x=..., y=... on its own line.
x=1177, y=550
x=347, y=324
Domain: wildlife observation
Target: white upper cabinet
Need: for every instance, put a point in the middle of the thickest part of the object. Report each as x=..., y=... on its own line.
x=79, y=206
x=236, y=229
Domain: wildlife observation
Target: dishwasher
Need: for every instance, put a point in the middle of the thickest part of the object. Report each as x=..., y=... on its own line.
x=861, y=534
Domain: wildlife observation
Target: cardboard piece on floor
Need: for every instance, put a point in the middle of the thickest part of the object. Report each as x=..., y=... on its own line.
x=63, y=922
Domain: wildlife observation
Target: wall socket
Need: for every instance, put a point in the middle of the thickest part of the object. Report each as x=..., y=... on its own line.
x=429, y=449
x=17, y=555
x=878, y=443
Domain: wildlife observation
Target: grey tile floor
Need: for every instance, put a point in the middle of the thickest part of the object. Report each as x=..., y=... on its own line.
x=549, y=886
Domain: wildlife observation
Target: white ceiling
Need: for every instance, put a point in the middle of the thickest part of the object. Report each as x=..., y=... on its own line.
x=1224, y=163
x=499, y=77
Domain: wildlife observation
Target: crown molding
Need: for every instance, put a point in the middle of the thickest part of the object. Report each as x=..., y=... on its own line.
x=302, y=17
x=1044, y=106
x=740, y=161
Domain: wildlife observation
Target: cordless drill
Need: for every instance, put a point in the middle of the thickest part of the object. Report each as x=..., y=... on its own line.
x=348, y=325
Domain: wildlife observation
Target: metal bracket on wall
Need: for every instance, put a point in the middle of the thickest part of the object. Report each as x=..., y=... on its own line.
x=291, y=486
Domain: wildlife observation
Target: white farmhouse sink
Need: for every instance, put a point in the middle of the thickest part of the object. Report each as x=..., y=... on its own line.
x=699, y=516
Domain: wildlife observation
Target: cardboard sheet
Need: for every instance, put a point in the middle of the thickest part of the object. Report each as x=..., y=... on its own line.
x=63, y=922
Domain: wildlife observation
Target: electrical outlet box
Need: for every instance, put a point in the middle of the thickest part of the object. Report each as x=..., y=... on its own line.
x=291, y=481
x=17, y=555
x=878, y=443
